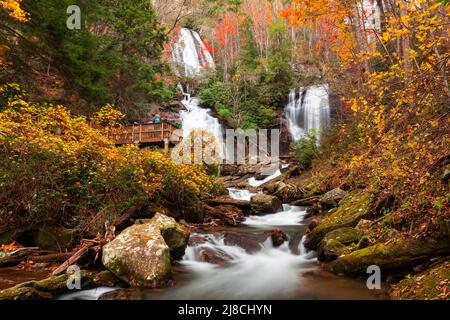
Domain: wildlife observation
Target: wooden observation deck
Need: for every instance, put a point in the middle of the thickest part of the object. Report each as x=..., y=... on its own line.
x=148, y=133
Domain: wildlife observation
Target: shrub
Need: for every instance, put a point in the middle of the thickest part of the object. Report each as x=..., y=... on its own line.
x=305, y=149
x=56, y=169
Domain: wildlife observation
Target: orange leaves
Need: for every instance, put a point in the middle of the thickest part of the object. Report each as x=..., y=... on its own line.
x=10, y=247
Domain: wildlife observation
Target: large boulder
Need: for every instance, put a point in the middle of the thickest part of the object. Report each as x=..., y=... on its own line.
x=139, y=256
x=332, y=198
x=399, y=254
x=353, y=208
x=335, y=243
x=175, y=235
x=262, y=204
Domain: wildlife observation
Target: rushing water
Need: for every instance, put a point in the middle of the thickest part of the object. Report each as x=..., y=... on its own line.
x=245, y=264
x=191, y=55
x=308, y=109
x=196, y=117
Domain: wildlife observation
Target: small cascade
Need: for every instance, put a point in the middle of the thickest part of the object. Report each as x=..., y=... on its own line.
x=267, y=273
x=290, y=216
x=240, y=194
x=190, y=54
x=308, y=109
x=196, y=117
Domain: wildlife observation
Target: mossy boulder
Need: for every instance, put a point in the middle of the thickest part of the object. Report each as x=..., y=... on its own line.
x=332, y=198
x=352, y=209
x=46, y=288
x=335, y=243
x=262, y=204
x=399, y=254
x=175, y=235
x=139, y=256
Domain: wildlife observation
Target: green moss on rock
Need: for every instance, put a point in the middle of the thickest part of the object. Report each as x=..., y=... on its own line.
x=350, y=212
x=175, y=235
x=398, y=255
x=335, y=243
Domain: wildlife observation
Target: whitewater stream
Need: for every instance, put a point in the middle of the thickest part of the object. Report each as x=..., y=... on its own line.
x=242, y=263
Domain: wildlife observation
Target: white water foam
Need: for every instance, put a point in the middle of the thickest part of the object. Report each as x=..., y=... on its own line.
x=240, y=194
x=92, y=294
x=191, y=55
x=290, y=216
x=256, y=183
x=308, y=108
x=271, y=271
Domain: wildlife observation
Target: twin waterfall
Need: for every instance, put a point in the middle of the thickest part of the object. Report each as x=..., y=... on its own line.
x=308, y=109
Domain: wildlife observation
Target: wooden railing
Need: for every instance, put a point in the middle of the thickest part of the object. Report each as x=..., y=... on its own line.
x=147, y=133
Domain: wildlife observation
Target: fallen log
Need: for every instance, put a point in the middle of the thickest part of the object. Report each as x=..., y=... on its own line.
x=15, y=257
x=75, y=257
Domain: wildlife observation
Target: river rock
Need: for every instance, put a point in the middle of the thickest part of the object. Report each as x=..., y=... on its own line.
x=226, y=200
x=306, y=202
x=278, y=237
x=399, y=254
x=139, y=256
x=335, y=243
x=332, y=198
x=175, y=235
x=247, y=242
x=262, y=204
x=353, y=208
x=224, y=215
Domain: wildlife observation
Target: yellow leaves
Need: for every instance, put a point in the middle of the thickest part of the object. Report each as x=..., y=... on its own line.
x=14, y=10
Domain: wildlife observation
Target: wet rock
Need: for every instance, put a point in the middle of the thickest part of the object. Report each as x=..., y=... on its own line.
x=399, y=254
x=306, y=202
x=332, y=198
x=352, y=209
x=106, y=279
x=246, y=242
x=139, y=256
x=286, y=192
x=175, y=235
x=262, y=204
x=225, y=200
x=335, y=243
x=278, y=237
x=223, y=215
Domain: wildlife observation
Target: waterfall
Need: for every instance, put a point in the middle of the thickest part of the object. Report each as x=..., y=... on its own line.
x=196, y=117
x=308, y=109
x=191, y=55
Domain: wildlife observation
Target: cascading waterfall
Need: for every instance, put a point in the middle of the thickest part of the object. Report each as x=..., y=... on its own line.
x=308, y=109
x=196, y=117
x=191, y=55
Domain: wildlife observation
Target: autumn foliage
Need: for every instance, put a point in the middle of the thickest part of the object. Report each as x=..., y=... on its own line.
x=56, y=169
x=394, y=139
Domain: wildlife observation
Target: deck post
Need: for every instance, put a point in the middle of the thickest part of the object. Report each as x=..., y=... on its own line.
x=166, y=146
